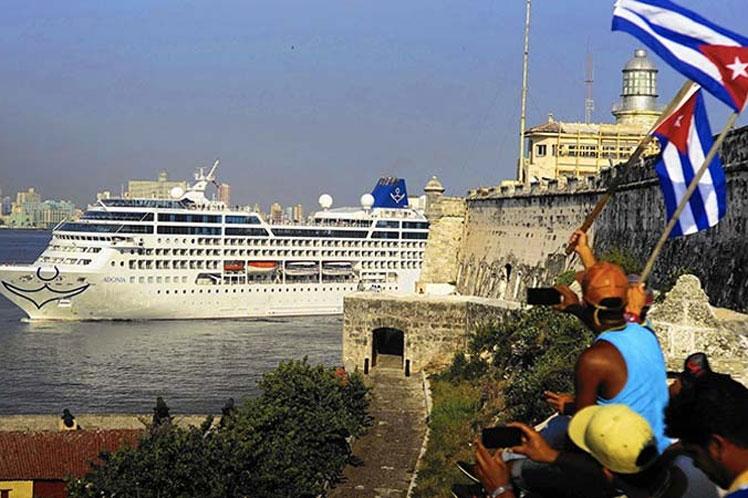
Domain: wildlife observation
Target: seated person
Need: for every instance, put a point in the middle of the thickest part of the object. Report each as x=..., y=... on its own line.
x=620, y=441
x=695, y=367
x=709, y=417
x=68, y=422
x=625, y=364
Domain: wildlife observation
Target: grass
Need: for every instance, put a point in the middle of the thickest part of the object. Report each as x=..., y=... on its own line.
x=456, y=407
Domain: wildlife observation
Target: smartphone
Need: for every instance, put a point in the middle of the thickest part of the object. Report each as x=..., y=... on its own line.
x=501, y=437
x=543, y=295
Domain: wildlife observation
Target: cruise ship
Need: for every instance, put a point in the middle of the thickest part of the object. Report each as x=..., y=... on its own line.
x=188, y=257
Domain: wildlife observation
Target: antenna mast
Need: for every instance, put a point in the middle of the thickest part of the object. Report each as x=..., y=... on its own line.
x=522, y=175
x=589, y=79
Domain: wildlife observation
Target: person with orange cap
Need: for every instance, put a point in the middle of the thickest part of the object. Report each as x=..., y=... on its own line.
x=625, y=364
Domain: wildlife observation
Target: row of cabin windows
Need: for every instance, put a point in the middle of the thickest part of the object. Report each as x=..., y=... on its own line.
x=179, y=279
x=418, y=225
x=293, y=242
x=584, y=150
x=76, y=249
x=241, y=232
x=64, y=261
x=197, y=264
x=256, y=252
x=242, y=290
x=170, y=217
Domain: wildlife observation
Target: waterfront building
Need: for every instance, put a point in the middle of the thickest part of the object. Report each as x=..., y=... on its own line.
x=562, y=149
x=53, y=212
x=29, y=199
x=224, y=193
x=276, y=213
x=7, y=205
x=297, y=214
x=154, y=189
x=29, y=211
x=24, y=211
x=39, y=463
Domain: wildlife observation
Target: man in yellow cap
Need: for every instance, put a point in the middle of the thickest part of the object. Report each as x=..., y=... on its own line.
x=620, y=441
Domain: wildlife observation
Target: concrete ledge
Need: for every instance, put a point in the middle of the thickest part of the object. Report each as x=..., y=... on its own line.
x=90, y=421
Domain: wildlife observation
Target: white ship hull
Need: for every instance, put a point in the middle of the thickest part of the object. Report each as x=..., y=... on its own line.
x=190, y=258
x=112, y=297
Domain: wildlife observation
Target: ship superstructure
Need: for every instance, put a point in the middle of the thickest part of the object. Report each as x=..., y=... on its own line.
x=189, y=257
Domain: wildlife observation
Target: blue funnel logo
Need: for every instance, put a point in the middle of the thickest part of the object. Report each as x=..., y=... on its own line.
x=390, y=192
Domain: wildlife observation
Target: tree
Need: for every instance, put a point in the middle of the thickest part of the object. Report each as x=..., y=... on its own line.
x=290, y=441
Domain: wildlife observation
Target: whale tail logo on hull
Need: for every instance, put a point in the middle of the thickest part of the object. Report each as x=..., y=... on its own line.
x=44, y=294
x=390, y=192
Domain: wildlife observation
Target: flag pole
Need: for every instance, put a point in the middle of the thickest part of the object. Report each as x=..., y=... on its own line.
x=633, y=159
x=689, y=192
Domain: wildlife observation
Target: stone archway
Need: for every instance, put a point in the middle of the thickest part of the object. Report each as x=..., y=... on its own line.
x=388, y=347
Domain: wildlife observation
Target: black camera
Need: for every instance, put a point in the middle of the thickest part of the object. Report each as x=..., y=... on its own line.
x=543, y=296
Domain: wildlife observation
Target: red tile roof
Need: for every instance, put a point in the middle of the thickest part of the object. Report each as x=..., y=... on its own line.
x=56, y=455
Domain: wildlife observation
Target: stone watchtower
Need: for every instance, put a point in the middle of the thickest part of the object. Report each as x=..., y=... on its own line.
x=434, y=191
x=638, y=104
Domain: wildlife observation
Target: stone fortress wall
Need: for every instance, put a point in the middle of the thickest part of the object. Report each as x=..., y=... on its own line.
x=501, y=240
x=514, y=237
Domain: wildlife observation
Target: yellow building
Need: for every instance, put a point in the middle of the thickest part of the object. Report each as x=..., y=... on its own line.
x=276, y=213
x=298, y=213
x=557, y=149
x=153, y=189
x=224, y=193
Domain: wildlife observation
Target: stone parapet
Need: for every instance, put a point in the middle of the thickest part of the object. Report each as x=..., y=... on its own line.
x=448, y=206
x=685, y=323
x=433, y=328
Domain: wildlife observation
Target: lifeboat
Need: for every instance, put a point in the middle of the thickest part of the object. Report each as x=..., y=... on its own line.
x=302, y=268
x=337, y=268
x=261, y=266
x=233, y=266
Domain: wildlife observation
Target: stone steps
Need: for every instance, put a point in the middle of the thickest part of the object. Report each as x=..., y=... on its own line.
x=389, y=450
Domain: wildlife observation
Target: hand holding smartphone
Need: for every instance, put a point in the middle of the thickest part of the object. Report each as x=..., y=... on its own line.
x=501, y=437
x=544, y=296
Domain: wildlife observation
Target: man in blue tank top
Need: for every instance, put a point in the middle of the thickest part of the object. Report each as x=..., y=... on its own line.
x=625, y=364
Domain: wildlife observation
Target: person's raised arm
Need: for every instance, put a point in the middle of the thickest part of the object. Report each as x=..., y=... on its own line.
x=579, y=242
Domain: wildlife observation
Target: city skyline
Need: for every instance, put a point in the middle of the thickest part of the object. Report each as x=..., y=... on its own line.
x=296, y=99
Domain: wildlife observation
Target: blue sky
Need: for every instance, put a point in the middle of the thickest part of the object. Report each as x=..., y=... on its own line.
x=297, y=97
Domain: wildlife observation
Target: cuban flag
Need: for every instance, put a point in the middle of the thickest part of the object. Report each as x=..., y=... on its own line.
x=685, y=139
x=713, y=57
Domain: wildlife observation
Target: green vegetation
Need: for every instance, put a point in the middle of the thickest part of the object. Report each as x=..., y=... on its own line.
x=566, y=278
x=288, y=442
x=624, y=258
x=500, y=378
x=456, y=406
